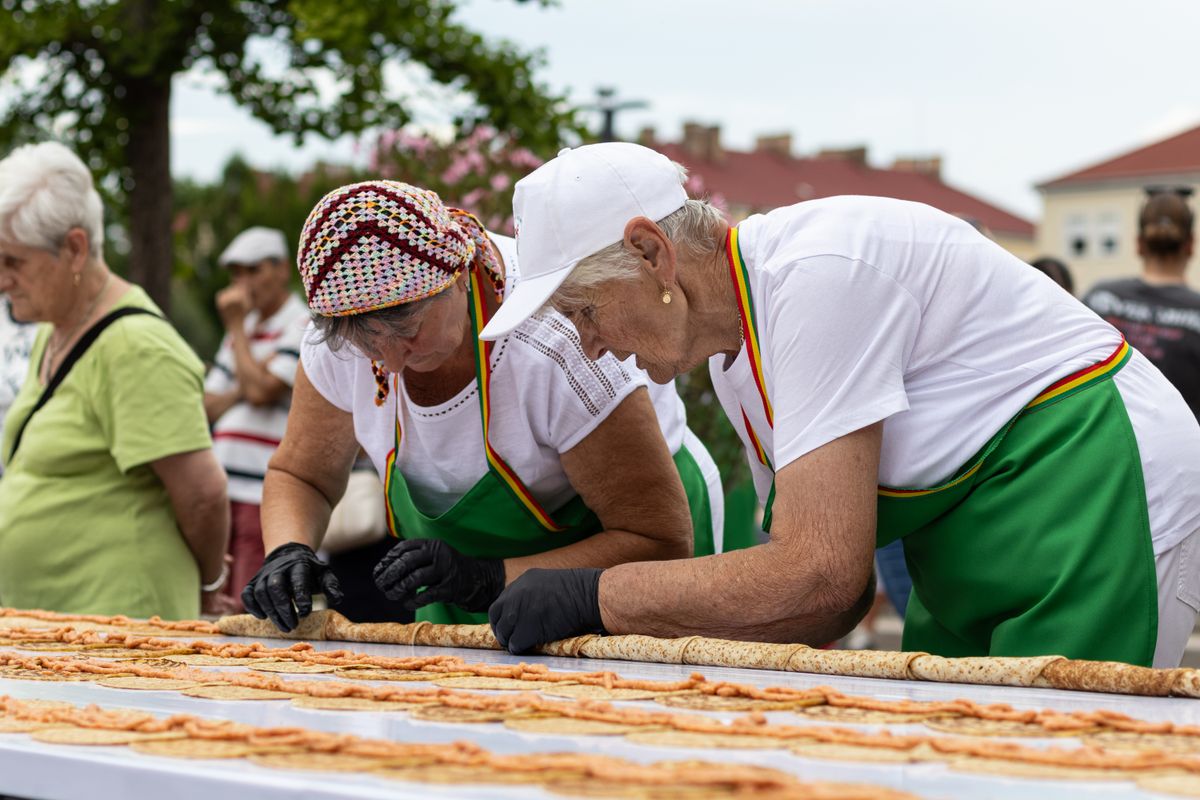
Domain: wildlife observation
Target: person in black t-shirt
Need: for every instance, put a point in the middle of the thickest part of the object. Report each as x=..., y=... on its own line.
x=1157, y=312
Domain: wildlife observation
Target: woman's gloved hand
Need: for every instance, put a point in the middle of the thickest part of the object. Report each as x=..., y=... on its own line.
x=447, y=575
x=545, y=605
x=283, y=588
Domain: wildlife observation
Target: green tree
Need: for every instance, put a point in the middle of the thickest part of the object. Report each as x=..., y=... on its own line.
x=98, y=75
x=209, y=216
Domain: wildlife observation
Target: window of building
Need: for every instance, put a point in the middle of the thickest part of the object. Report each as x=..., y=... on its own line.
x=1108, y=234
x=1076, y=230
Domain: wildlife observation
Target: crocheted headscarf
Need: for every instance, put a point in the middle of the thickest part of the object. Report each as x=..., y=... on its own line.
x=379, y=244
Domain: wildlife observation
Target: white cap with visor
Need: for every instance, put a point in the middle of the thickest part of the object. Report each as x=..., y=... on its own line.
x=575, y=205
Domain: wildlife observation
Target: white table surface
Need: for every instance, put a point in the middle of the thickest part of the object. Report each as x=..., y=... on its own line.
x=38, y=771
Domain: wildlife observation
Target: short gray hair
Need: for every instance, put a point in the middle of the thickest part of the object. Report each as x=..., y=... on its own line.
x=45, y=191
x=692, y=230
x=355, y=329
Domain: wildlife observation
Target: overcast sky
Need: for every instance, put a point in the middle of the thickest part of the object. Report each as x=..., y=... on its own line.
x=1008, y=92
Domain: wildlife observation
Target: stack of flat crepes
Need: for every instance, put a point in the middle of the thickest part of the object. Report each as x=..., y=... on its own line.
x=1055, y=672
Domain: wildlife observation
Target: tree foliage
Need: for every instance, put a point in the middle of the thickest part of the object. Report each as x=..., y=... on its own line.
x=86, y=52
x=97, y=75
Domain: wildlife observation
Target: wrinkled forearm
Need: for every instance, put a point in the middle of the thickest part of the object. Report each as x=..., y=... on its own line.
x=293, y=510
x=604, y=549
x=258, y=386
x=217, y=403
x=760, y=594
x=204, y=522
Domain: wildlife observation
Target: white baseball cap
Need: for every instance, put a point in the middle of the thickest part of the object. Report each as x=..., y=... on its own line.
x=253, y=245
x=575, y=205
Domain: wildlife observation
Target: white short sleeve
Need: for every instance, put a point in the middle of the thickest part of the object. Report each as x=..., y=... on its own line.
x=578, y=393
x=838, y=333
x=330, y=373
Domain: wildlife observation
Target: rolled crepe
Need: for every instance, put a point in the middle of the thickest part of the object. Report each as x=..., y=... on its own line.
x=569, y=648
x=311, y=628
x=990, y=670
x=703, y=651
x=1111, y=676
x=637, y=648
x=478, y=637
x=855, y=663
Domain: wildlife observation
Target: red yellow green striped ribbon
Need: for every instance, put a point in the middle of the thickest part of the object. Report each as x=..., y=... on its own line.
x=1057, y=390
x=483, y=372
x=741, y=284
x=389, y=471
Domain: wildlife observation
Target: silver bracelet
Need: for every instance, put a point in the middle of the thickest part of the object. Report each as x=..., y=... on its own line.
x=219, y=582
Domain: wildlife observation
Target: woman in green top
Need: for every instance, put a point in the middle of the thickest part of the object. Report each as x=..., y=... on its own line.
x=111, y=500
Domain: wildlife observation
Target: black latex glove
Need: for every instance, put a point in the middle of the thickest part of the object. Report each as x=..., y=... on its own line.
x=447, y=575
x=545, y=605
x=282, y=589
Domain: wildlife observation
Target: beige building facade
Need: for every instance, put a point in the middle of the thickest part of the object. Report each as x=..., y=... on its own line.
x=1089, y=217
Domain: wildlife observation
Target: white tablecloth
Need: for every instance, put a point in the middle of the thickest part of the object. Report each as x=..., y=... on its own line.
x=54, y=772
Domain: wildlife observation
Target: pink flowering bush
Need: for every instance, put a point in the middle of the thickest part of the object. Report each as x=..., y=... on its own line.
x=475, y=172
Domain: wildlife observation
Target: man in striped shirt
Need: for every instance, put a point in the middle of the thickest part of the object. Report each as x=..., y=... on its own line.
x=248, y=390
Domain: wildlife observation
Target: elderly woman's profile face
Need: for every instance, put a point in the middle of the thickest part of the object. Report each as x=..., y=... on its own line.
x=35, y=280
x=629, y=318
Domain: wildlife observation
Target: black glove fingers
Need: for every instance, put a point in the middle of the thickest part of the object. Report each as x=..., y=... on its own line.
x=279, y=591
x=250, y=602
x=397, y=550
x=332, y=588
x=302, y=582
x=407, y=587
x=401, y=568
x=262, y=595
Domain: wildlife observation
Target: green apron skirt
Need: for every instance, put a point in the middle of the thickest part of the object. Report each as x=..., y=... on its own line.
x=1041, y=544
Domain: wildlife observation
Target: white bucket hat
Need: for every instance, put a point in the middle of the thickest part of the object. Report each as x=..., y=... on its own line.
x=575, y=205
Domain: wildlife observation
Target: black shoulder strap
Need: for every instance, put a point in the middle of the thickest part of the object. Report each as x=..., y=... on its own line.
x=81, y=346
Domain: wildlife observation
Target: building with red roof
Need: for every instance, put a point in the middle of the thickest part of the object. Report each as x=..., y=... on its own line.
x=771, y=176
x=1090, y=218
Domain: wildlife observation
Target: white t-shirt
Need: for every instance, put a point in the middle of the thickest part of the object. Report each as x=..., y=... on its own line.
x=547, y=397
x=876, y=309
x=245, y=436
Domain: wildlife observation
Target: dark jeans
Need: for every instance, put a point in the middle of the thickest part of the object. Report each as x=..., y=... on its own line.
x=897, y=584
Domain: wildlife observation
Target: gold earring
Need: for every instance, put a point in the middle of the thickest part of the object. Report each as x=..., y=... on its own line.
x=666, y=296
x=77, y=279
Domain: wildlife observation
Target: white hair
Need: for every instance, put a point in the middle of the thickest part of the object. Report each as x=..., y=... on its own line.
x=692, y=229
x=45, y=191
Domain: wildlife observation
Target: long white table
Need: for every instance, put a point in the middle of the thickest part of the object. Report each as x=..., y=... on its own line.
x=38, y=771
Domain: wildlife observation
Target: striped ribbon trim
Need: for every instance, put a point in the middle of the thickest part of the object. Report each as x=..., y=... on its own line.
x=483, y=372
x=741, y=285
x=1085, y=376
x=1059, y=389
x=389, y=472
x=758, y=448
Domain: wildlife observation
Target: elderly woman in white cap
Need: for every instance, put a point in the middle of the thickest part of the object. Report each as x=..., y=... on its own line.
x=496, y=458
x=892, y=374
x=111, y=501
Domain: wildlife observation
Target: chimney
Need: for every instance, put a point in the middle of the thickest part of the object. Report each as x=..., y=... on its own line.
x=855, y=155
x=778, y=143
x=931, y=166
x=647, y=137
x=703, y=142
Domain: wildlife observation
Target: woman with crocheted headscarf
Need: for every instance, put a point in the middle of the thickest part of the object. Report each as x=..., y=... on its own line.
x=497, y=457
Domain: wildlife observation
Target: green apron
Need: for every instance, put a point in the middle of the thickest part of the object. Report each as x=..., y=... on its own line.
x=1040, y=544
x=498, y=517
